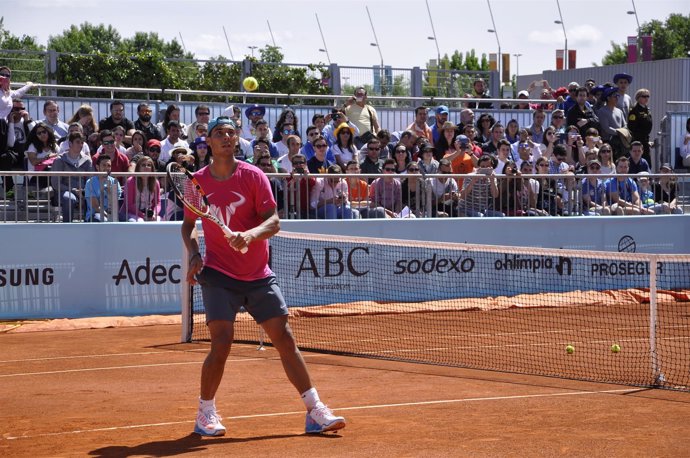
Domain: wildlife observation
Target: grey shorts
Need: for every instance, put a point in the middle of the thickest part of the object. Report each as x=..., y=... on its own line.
x=224, y=296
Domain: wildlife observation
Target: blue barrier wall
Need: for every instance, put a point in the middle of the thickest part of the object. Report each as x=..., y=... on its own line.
x=81, y=270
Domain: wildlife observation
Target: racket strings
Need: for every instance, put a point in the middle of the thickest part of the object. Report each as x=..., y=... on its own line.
x=187, y=189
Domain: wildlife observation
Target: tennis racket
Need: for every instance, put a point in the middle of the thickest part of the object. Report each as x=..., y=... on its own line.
x=188, y=190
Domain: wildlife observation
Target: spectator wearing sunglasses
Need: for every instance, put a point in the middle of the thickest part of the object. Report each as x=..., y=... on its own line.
x=371, y=162
x=640, y=121
x=254, y=113
x=594, y=191
x=7, y=95
x=203, y=116
x=344, y=149
x=319, y=163
x=153, y=150
x=386, y=191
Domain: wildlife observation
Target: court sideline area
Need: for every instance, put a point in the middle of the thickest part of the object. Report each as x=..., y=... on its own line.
x=132, y=392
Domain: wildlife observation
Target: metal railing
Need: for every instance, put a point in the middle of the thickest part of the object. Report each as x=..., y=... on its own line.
x=60, y=197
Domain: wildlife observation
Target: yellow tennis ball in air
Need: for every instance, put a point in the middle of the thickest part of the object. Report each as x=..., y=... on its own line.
x=570, y=349
x=615, y=348
x=250, y=83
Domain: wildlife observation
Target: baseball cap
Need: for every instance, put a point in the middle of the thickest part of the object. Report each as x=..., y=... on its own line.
x=220, y=121
x=524, y=93
x=153, y=142
x=464, y=141
x=442, y=109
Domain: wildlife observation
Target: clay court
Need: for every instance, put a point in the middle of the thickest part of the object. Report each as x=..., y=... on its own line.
x=131, y=391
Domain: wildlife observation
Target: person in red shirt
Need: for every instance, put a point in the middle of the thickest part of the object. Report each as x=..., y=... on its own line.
x=119, y=160
x=240, y=194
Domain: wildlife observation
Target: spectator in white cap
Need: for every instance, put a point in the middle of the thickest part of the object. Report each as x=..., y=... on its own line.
x=523, y=105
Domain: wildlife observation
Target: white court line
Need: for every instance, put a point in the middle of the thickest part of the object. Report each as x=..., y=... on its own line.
x=104, y=355
x=110, y=368
x=340, y=409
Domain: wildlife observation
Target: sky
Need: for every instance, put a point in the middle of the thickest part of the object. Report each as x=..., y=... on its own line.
x=402, y=27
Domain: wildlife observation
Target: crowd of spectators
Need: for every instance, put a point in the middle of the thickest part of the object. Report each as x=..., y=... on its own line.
x=544, y=168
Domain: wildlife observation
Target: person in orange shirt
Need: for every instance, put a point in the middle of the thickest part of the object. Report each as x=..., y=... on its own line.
x=461, y=160
x=419, y=126
x=358, y=191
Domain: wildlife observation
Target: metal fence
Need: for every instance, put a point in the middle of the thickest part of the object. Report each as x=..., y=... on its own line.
x=60, y=197
x=42, y=67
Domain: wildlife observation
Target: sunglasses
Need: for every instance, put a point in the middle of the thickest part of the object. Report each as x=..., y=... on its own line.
x=558, y=117
x=401, y=151
x=108, y=142
x=5, y=75
x=413, y=169
x=265, y=164
x=18, y=109
x=313, y=134
x=158, y=150
x=389, y=169
x=299, y=163
x=255, y=113
x=644, y=96
x=42, y=132
x=204, y=113
x=604, y=150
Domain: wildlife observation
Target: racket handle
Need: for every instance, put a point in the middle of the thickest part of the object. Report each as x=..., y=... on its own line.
x=231, y=234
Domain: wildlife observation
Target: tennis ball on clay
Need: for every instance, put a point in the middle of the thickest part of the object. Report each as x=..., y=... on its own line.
x=570, y=349
x=615, y=348
x=250, y=83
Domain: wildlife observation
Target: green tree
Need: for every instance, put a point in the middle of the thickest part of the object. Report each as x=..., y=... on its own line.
x=618, y=54
x=143, y=41
x=27, y=66
x=670, y=39
x=85, y=39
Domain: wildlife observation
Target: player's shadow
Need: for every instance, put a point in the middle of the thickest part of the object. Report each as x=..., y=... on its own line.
x=188, y=444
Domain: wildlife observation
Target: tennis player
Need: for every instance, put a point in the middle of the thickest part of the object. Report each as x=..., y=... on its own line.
x=240, y=194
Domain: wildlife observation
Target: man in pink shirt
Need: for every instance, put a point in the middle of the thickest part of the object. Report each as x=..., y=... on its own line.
x=240, y=194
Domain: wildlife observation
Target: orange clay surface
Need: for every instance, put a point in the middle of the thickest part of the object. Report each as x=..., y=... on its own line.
x=132, y=391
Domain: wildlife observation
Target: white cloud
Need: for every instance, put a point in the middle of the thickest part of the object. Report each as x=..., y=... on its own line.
x=583, y=35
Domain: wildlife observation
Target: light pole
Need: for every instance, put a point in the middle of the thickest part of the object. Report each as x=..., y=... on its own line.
x=376, y=44
x=639, y=33
x=517, y=66
x=252, y=48
x=498, y=58
x=438, y=52
x=565, y=54
x=323, y=40
x=271, y=32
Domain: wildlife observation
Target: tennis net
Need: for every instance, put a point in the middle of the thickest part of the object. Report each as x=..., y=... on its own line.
x=560, y=313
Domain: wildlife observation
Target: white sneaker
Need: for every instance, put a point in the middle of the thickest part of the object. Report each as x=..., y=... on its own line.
x=208, y=423
x=321, y=419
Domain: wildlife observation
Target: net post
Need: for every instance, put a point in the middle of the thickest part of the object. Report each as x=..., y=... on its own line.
x=185, y=299
x=656, y=369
